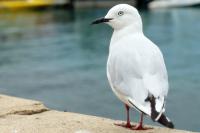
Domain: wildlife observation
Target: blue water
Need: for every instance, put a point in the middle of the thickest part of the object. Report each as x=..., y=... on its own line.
x=58, y=58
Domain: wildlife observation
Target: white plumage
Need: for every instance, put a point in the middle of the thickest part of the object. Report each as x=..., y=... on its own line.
x=135, y=66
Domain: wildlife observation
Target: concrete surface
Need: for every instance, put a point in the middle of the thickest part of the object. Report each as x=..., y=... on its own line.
x=26, y=116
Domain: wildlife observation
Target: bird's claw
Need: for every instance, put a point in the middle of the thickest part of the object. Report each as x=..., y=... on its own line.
x=127, y=125
x=140, y=127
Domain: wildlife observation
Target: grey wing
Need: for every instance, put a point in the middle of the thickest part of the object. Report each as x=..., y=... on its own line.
x=156, y=78
x=135, y=75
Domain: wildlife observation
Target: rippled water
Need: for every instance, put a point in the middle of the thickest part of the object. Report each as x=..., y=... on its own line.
x=58, y=58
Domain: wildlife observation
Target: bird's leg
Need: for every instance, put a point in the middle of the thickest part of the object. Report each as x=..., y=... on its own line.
x=128, y=123
x=140, y=125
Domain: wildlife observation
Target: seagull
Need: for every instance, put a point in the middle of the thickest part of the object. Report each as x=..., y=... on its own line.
x=136, y=69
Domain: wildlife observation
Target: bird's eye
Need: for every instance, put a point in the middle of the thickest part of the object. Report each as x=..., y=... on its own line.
x=120, y=13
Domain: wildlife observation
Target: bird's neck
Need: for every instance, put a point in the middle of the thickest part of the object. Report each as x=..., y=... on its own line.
x=126, y=31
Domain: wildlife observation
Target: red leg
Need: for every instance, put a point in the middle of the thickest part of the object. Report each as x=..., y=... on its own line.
x=128, y=123
x=140, y=125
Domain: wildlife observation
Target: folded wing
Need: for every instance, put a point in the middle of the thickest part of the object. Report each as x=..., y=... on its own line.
x=137, y=72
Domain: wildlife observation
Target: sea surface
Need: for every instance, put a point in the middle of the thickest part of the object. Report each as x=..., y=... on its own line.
x=57, y=57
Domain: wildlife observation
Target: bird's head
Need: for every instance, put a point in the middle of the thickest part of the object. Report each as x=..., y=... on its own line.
x=121, y=16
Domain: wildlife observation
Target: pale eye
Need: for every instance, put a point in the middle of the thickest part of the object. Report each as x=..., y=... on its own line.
x=120, y=13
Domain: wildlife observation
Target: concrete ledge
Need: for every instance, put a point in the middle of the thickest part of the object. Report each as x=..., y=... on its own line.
x=27, y=116
x=12, y=105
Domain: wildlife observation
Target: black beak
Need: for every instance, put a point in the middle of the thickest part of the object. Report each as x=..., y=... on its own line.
x=101, y=20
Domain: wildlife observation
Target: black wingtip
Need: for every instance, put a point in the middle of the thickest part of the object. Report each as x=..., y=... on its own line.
x=165, y=121
x=170, y=125
x=154, y=114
